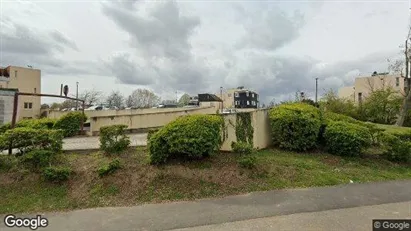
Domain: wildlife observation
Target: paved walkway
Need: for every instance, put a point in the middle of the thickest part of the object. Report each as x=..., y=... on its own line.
x=359, y=218
x=92, y=142
x=218, y=213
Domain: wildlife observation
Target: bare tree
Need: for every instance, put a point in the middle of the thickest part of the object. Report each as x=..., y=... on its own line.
x=407, y=99
x=184, y=100
x=91, y=97
x=115, y=99
x=142, y=98
x=68, y=103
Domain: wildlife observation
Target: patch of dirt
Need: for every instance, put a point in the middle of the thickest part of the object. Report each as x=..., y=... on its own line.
x=331, y=160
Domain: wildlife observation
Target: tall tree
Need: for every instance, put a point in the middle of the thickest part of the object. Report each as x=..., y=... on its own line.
x=115, y=99
x=184, y=100
x=405, y=106
x=142, y=98
x=91, y=97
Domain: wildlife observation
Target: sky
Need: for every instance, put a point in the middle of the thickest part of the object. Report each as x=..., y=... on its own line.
x=273, y=47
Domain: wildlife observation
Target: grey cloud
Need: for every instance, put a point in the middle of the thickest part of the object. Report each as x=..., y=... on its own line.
x=19, y=39
x=164, y=33
x=128, y=72
x=279, y=77
x=161, y=41
x=270, y=29
x=61, y=39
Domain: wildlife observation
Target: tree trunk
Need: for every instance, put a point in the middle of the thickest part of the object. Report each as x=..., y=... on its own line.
x=407, y=99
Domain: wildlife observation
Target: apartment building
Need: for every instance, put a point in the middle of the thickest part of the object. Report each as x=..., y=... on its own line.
x=23, y=80
x=364, y=85
x=240, y=98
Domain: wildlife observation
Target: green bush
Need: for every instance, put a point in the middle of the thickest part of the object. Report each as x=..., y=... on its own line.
x=248, y=162
x=7, y=162
x=70, y=123
x=332, y=116
x=346, y=139
x=109, y=168
x=191, y=136
x=242, y=147
x=5, y=127
x=295, y=126
x=395, y=149
x=43, y=123
x=113, y=138
x=26, y=139
x=38, y=158
x=151, y=132
x=57, y=174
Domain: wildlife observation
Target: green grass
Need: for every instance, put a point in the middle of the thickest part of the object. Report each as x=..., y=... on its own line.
x=220, y=175
x=394, y=129
x=289, y=170
x=34, y=196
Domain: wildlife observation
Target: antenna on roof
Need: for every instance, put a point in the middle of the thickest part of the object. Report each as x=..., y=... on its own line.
x=29, y=66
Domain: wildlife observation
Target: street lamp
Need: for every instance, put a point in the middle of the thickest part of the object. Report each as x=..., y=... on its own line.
x=76, y=96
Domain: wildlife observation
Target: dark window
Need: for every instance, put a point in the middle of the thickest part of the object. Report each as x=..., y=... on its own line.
x=15, y=74
x=397, y=82
x=236, y=94
x=360, y=97
x=35, y=90
x=28, y=105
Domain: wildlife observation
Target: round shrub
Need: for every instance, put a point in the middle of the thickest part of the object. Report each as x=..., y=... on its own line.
x=346, y=139
x=242, y=147
x=38, y=158
x=57, y=174
x=191, y=136
x=295, y=126
x=394, y=148
x=70, y=123
x=113, y=138
x=43, y=123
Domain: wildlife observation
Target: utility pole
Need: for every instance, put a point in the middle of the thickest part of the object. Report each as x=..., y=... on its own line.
x=221, y=97
x=76, y=96
x=316, y=90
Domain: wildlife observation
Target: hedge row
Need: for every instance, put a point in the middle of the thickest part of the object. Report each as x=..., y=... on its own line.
x=191, y=136
x=27, y=139
x=296, y=126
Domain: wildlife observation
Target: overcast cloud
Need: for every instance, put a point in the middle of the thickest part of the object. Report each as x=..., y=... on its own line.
x=275, y=48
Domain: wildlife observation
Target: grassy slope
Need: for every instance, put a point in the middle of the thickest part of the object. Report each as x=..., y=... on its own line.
x=137, y=182
x=393, y=128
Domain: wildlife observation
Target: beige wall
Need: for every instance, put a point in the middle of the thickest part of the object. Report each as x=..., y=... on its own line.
x=57, y=114
x=144, y=121
x=365, y=85
x=346, y=92
x=25, y=80
x=228, y=98
x=261, y=125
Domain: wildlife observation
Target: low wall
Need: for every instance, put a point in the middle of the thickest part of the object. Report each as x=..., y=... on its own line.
x=126, y=112
x=259, y=122
x=144, y=121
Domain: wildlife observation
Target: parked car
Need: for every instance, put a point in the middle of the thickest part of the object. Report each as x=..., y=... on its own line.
x=97, y=108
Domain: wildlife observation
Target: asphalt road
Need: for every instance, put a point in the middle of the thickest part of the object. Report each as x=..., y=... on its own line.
x=231, y=209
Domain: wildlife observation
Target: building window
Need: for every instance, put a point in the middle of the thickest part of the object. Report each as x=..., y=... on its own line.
x=35, y=90
x=237, y=102
x=360, y=97
x=248, y=102
x=397, y=82
x=247, y=94
x=253, y=103
x=15, y=74
x=252, y=95
x=28, y=105
x=236, y=94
